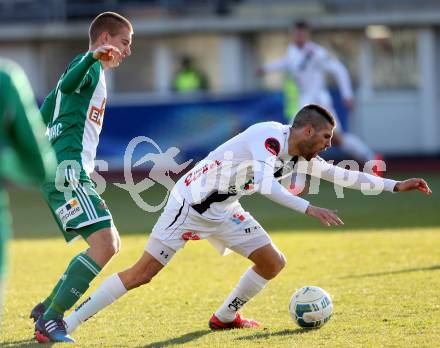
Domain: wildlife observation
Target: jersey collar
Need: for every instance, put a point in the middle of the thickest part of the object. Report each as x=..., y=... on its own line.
x=284, y=154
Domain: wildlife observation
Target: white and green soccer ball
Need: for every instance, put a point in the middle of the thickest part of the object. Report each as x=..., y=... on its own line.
x=311, y=307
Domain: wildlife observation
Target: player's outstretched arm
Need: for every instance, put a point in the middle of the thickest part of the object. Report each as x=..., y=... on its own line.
x=326, y=216
x=413, y=184
x=77, y=76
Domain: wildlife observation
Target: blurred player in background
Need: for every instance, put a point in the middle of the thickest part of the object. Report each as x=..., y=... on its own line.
x=25, y=154
x=189, y=78
x=307, y=63
x=205, y=204
x=74, y=114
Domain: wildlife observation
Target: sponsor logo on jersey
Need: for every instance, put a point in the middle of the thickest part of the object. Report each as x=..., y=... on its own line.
x=97, y=114
x=190, y=236
x=194, y=175
x=69, y=211
x=273, y=146
x=54, y=131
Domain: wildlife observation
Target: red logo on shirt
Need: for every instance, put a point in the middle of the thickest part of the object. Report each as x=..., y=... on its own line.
x=192, y=176
x=96, y=114
x=273, y=146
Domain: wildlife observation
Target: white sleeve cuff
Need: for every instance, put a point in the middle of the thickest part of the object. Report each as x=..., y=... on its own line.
x=389, y=184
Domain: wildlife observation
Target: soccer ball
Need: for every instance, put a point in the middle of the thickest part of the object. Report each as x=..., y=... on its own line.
x=311, y=307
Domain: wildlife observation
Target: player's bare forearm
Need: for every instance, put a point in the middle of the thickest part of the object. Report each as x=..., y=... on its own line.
x=413, y=184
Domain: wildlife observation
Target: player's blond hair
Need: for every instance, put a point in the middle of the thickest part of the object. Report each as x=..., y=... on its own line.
x=110, y=22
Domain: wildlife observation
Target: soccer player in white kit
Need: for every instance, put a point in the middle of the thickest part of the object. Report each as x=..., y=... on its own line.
x=308, y=63
x=205, y=204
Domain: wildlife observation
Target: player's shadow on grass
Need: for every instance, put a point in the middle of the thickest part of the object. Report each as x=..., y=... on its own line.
x=24, y=344
x=408, y=270
x=191, y=336
x=266, y=335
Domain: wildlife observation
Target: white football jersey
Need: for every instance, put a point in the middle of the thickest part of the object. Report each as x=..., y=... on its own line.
x=251, y=162
x=308, y=66
x=241, y=166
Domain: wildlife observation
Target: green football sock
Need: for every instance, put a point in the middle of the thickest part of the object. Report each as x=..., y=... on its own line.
x=81, y=271
x=49, y=299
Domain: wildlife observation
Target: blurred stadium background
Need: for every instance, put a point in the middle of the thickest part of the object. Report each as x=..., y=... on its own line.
x=391, y=48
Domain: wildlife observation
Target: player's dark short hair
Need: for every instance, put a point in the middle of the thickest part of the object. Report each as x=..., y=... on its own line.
x=302, y=25
x=110, y=22
x=315, y=115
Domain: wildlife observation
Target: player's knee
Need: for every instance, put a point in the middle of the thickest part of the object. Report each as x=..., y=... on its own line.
x=279, y=264
x=117, y=244
x=113, y=248
x=108, y=249
x=275, y=266
x=110, y=243
x=282, y=261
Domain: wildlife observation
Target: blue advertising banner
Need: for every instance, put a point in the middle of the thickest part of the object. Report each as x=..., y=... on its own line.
x=195, y=127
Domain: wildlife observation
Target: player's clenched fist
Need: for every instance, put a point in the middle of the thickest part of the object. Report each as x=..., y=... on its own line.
x=107, y=53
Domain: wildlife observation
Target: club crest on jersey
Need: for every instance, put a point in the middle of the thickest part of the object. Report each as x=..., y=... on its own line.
x=273, y=146
x=96, y=114
x=190, y=236
x=54, y=131
x=69, y=211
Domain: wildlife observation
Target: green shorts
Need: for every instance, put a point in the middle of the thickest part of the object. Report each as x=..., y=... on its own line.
x=76, y=206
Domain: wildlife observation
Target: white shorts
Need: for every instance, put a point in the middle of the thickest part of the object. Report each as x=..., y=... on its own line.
x=179, y=223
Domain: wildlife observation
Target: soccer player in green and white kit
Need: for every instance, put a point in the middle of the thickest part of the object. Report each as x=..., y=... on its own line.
x=25, y=154
x=74, y=112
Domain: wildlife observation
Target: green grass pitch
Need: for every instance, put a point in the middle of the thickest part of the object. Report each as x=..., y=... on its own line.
x=382, y=270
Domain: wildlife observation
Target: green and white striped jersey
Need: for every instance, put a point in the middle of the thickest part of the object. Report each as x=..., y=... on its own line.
x=74, y=111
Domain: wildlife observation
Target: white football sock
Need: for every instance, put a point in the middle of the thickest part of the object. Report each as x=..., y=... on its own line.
x=250, y=284
x=356, y=147
x=106, y=294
